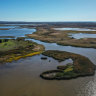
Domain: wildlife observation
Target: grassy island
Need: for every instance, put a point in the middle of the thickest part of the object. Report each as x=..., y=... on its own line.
x=48, y=34
x=14, y=49
x=81, y=66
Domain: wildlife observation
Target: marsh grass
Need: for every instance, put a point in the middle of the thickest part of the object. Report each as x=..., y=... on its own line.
x=62, y=37
x=81, y=66
x=15, y=49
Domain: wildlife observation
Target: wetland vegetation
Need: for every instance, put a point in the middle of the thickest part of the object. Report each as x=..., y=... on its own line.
x=50, y=35
x=73, y=61
x=81, y=66
x=14, y=49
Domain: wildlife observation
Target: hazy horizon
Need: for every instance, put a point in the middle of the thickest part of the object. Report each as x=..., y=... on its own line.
x=48, y=10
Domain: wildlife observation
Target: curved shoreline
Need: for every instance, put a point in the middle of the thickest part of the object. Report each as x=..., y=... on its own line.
x=23, y=49
x=81, y=66
x=62, y=78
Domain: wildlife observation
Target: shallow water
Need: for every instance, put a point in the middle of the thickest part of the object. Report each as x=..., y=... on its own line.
x=88, y=52
x=8, y=27
x=74, y=29
x=82, y=35
x=21, y=78
x=17, y=32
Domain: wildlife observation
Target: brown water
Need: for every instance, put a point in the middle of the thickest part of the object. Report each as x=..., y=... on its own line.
x=22, y=77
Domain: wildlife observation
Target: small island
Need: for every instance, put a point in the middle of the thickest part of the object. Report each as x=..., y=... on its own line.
x=81, y=66
x=14, y=49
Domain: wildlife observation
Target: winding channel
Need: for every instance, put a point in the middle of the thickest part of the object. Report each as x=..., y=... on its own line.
x=21, y=78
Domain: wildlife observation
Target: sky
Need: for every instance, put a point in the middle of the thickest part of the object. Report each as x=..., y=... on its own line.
x=47, y=10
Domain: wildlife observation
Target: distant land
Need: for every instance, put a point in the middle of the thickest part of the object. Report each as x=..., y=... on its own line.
x=64, y=24
x=59, y=22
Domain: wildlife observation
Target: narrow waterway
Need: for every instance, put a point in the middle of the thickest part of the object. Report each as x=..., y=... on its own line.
x=21, y=78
